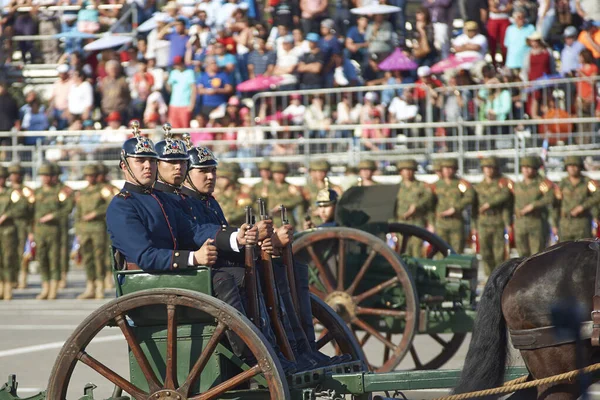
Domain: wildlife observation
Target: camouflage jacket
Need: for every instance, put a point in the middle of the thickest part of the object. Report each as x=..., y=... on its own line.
x=416, y=193
x=585, y=193
x=498, y=195
x=457, y=193
x=539, y=192
x=92, y=199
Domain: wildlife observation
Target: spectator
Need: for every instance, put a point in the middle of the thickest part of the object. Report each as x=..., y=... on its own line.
x=199, y=136
x=590, y=38
x=332, y=54
x=248, y=137
x=69, y=25
x=296, y=110
x=312, y=13
x=538, y=62
x=88, y=19
x=9, y=112
x=475, y=10
x=423, y=50
x=177, y=39
x=232, y=111
x=556, y=131
x=181, y=85
x=260, y=60
x=159, y=49
x=380, y=36
x=81, y=97
x=588, y=10
x=356, y=43
x=34, y=119
x=569, y=55
x=425, y=91
x=344, y=115
x=403, y=109
x=276, y=37
x=586, y=91
x=377, y=134
x=301, y=46
x=26, y=25
x=214, y=86
x=49, y=25
x=141, y=87
x=223, y=37
x=310, y=65
x=545, y=17
x=515, y=40
x=158, y=74
x=440, y=11
x=115, y=92
x=114, y=131
x=471, y=43
x=498, y=22
x=317, y=118
x=363, y=112
x=287, y=62
x=156, y=108
x=226, y=12
x=59, y=98
x=226, y=61
x=498, y=106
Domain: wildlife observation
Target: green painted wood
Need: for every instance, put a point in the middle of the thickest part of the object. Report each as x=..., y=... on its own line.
x=196, y=279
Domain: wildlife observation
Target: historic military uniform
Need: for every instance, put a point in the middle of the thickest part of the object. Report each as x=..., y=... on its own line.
x=90, y=228
x=494, y=196
x=22, y=210
x=285, y=194
x=458, y=194
x=585, y=193
x=312, y=188
x=261, y=189
x=531, y=229
x=108, y=190
x=67, y=206
x=51, y=208
x=234, y=197
x=415, y=194
x=368, y=165
x=8, y=239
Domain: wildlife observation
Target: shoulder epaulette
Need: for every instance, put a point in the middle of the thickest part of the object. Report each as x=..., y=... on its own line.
x=105, y=192
x=125, y=194
x=592, y=186
x=463, y=185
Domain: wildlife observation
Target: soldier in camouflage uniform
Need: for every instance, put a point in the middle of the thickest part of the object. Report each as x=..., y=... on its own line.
x=282, y=193
x=577, y=197
x=90, y=227
x=366, y=170
x=51, y=207
x=436, y=168
x=232, y=196
x=413, y=203
x=109, y=191
x=68, y=205
x=453, y=195
x=318, y=170
x=489, y=216
x=8, y=239
x=23, y=200
x=261, y=189
x=533, y=197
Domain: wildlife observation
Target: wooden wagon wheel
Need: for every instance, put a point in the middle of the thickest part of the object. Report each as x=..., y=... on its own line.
x=447, y=347
x=340, y=293
x=116, y=312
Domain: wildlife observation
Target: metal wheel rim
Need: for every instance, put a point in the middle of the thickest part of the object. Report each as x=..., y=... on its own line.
x=408, y=231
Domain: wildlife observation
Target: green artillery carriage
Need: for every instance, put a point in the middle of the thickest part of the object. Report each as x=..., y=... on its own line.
x=176, y=330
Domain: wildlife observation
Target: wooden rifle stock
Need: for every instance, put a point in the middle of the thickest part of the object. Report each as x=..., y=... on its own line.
x=250, y=278
x=271, y=296
x=288, y=261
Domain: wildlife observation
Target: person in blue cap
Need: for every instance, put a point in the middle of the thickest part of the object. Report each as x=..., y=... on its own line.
x=172, y=164
x=149, y=231
x=326, y=201
x=198, y=189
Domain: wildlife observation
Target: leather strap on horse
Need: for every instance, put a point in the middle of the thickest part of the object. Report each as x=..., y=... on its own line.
x=537, y=338
x=596, y=302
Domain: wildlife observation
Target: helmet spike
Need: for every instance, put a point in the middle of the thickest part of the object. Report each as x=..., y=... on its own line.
x=167, y=128
x=135, y=126
x=187, y=140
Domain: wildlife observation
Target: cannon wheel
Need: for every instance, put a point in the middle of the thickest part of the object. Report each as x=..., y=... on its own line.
x=436, y=246
x=343, y=299
x=115, y=313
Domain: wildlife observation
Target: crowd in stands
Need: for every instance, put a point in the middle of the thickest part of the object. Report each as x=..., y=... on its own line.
x=187, y=69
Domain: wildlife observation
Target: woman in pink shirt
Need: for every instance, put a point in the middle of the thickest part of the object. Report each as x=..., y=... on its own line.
x=375, y=133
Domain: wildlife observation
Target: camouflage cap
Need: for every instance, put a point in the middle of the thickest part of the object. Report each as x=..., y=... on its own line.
x=264, y=164
x=574, y=160
x=90, y=170
x=101, y=168
x=530, y=161
x=436, y=165
x=230, y=171
x=449, y=162
x=489, y=162
x=15, y=169
x=319, y=165
x=56, y=170
x=367, y=164
x=46, y=169
x=407, y=164
x=280, y=167
x=3, y=172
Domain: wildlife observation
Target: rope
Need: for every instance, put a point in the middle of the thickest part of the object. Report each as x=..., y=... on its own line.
x=520, y=384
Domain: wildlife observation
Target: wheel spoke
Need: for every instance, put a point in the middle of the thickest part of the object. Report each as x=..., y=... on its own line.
x=341, y=264
x=112, y=376
x=364, y=339
x=404, y=245
x=229, y=384
x=381, y=312
x=415, y=357
x=369, y=329
x=361, y=272
x=438, y=339
x=198, y=367
x=325, y=338
x=386, y=352
x=317, y=292
x=433, y=252
x=376, y=289
x=141, y=359
x=171, y=367
x=323, y=272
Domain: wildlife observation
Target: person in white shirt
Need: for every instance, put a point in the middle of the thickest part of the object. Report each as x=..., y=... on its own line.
x=287, y=59
x=158, y=49
x=470, y=43
x=81, y=97
x=295, y=111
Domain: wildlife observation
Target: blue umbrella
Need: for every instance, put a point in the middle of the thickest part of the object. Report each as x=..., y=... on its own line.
x=73, y=35
x=108, y=42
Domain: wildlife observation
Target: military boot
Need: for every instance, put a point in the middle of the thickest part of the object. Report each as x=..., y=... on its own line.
x=108, y=281
x=8, y=287
x=53, y=289
x=44, y=294
x=63, y=280
x=89, y=292
x=22, y=284
x=99, y=289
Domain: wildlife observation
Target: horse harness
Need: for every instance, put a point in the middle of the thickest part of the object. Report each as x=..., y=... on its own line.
x=537, y=338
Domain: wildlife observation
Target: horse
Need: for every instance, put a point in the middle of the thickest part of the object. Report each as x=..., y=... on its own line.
x=520, y=295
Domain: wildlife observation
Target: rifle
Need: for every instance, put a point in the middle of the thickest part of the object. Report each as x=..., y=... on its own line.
x=288, y=261
x=250, y=277
x=271, y=296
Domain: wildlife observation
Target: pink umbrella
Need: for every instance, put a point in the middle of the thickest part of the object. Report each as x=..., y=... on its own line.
x=259, y=83
x=397, y=61
x=453, y=61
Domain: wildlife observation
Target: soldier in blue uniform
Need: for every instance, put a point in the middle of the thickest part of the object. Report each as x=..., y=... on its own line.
x=326, y=202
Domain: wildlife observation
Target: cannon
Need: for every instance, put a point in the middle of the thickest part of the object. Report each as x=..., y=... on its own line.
x=360, y=269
